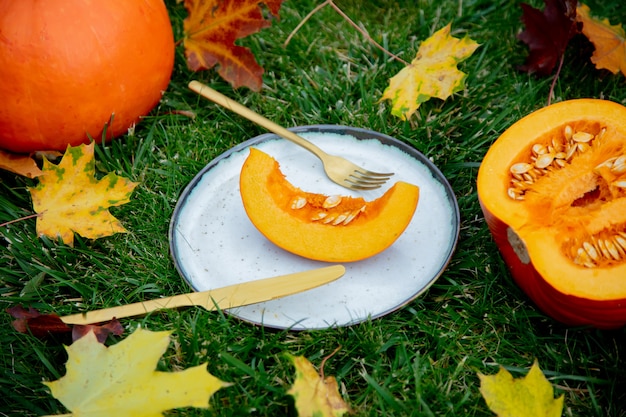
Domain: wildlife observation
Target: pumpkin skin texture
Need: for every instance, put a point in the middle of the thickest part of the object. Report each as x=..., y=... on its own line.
x=277, y=210
x=559, y=228
x=67, y=66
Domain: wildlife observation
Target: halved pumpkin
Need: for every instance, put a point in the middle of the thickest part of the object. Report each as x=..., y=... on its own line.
x=553, y=192
x=316, y=226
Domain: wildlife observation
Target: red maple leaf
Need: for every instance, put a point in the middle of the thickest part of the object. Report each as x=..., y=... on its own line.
x=43, y=325
x=211, y=29
x=547, y=34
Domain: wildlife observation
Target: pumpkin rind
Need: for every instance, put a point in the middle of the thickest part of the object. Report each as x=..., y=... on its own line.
x=273, y=206
x=534, y=234
x=67, y=66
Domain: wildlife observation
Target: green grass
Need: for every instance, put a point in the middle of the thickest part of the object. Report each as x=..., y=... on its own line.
x=419, y=361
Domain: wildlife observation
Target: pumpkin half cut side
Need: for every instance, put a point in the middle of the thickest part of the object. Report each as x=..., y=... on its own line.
x=320, y=227
x=553, y=192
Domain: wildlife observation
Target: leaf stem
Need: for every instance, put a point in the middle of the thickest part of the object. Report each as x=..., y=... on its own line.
x=347, y=18
x=303, y=21
x=556, y=76
x=365, y=34
x=30, y=216
x=326, y=358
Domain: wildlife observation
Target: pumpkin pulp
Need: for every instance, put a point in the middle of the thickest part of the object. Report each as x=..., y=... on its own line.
x=316, y=226
x=553, y=191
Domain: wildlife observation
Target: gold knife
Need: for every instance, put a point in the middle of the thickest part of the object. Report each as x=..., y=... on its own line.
x=221, y=298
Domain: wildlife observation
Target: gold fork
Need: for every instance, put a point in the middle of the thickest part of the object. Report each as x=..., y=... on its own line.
x=338, y=169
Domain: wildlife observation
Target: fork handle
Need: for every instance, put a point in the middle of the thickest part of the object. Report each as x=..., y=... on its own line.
x=218, y=98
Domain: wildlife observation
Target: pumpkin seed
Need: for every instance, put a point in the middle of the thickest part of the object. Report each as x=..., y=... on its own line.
x=514, y=193
x=591, y=251
x=612, y=249
x=620, y=183
x=520, y=168
x=298, y=202
x=329, y=218
x=351, y=216
x=608, y=163
x=319, y=216
x=619, y=165
x=602, y=248
x=582, y=258
x=332, y=201
x=582, y=137
x=571, y=150
x=621, y=243
x=539, y=149
x=583, y=147
x=340, y=219
x=544, y=160
x=568, y=132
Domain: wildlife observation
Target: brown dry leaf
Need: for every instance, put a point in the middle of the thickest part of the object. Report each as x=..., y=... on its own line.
x=211, y=29
x=547, y=33
x=70, y=199
x=609, y=41
x=315, y=396
x=121, y=380
x=19, y=164
x=43, y=325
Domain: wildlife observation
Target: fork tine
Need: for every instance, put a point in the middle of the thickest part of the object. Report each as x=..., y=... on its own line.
x=367, y=181
x=366, y=173
x=358, y=186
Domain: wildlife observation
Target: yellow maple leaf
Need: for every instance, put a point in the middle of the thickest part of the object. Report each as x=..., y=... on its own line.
x=70, y=199
x=121, y=380
x=531, y=395
x=433, y=73
x=609, y=41
x=314, y=396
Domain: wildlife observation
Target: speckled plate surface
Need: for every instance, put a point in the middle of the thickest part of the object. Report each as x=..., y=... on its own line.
x=214, y=244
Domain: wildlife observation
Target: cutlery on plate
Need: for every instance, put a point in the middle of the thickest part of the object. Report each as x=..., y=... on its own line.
x=236, y=295
x=338, y=169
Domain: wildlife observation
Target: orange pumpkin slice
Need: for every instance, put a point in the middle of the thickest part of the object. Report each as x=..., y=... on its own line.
x=317, y=226
x=553, y=192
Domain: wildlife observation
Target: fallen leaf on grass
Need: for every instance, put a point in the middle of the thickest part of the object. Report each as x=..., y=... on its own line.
x=547, y=34
x=121, y=380
x=44, y=325
x=531, y=395
x=433, y=73
x=211, y=29
x=40, y=325
x=19, y=164
x=609, y=41
x=314, y=395
x=70, y=199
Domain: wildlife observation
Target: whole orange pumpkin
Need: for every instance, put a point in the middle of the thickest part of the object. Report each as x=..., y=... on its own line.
x=70, y=68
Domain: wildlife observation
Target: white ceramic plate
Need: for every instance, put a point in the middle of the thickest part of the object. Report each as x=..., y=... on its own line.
x=214, y=244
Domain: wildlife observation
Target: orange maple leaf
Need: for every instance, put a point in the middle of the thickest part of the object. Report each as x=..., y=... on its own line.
x=70, y=199
x=19, y=164
x=211, y=29
x=609, y=41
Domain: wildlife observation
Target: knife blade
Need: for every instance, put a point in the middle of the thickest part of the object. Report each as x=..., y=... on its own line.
x=236, y=295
